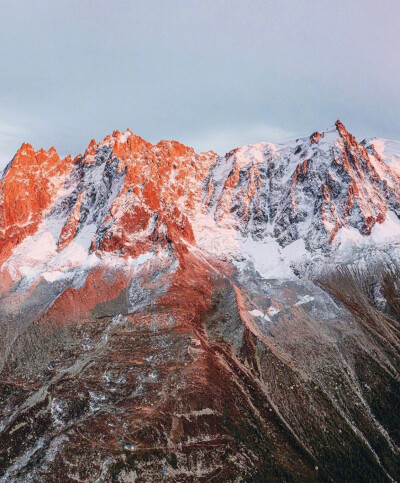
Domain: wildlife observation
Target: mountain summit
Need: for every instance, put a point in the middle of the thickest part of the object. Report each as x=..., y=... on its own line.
x=175, y=316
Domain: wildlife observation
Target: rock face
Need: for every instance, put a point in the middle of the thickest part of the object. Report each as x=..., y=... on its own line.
x=173, y=316
x=306, y=189
x=28, y=187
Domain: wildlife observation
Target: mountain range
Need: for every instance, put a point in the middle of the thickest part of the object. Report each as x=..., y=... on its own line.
x=173, y=316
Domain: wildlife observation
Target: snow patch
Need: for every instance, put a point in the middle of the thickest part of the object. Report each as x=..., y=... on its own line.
x=389, y=151
x=217, y=240
x=273, y=311
x=124, y=137
x=270, y=259
x=140, y=260
x=258, y=313
x=304, y=300
x=387, y=232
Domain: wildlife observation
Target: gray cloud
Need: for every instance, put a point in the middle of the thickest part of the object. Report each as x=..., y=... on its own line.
x=214, y=74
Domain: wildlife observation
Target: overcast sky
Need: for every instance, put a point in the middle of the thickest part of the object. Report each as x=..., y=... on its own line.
x=212, y=74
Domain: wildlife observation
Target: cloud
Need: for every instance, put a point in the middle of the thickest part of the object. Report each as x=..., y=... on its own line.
x=223, y=140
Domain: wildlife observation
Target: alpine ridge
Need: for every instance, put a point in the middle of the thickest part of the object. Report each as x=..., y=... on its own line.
x=173, y=316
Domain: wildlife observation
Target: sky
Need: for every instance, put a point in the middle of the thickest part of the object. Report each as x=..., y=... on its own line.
x=211, y=74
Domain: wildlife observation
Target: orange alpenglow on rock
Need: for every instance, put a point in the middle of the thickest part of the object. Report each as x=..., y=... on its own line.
x=27, y=190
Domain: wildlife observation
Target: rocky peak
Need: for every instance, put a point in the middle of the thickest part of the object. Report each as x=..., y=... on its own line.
x=308, y=188
x=30, y=184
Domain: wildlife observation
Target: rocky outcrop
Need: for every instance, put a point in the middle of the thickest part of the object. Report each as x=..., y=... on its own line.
x=29, y=185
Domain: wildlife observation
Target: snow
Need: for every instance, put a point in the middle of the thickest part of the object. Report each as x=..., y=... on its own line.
x=273, y=311
x=124, y=137
x=140, y=260
x=329, y=138
x=84, y=238
x=304, y=300
x=257, y=313
x=250, y=153
x=388, y=231
x=267, y=256
x=52, y=276
x=37, y=255
x=271, y=260
x=384, y=233
x=129, y=447
x=220, y=172
x=219, y=240
x=29, y=257
x=389, y=151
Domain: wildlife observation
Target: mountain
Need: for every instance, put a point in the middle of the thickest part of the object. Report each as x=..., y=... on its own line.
x=173, y=316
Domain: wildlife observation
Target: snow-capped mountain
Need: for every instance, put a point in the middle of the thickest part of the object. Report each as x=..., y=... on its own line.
x=307, y=189
x=185, y=317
